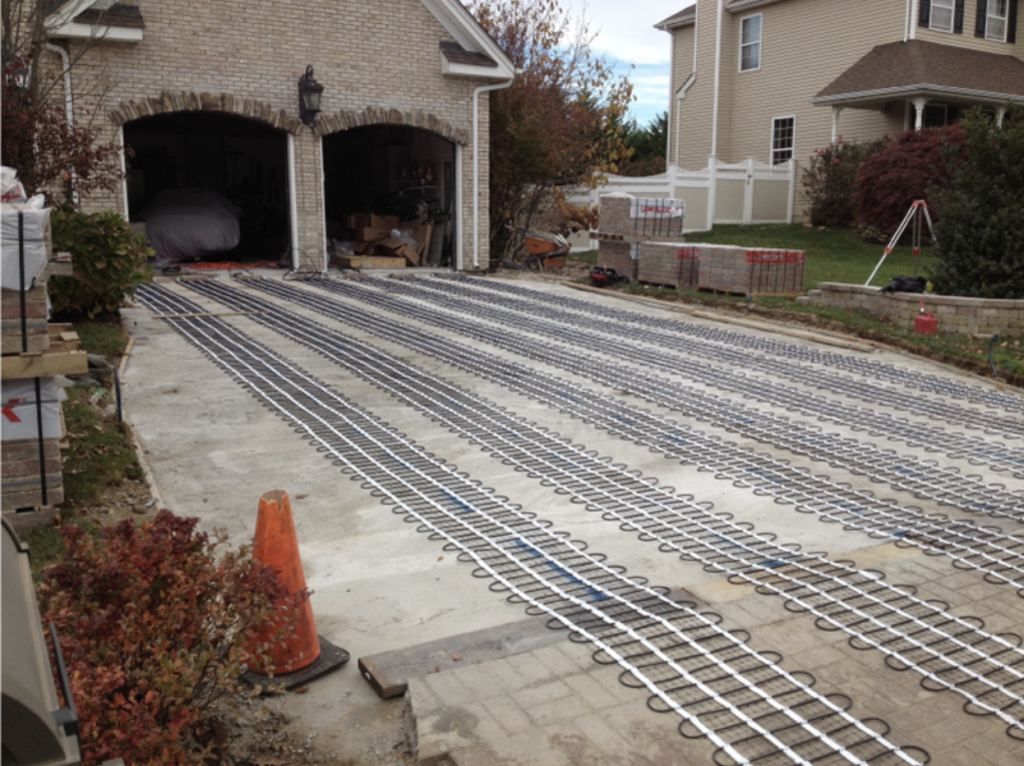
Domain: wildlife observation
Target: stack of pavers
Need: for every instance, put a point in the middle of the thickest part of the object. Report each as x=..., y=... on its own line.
x=30, y=423
x=745, y=271
x=635, y=235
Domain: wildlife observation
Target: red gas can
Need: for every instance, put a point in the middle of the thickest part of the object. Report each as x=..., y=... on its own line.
x=927, y=324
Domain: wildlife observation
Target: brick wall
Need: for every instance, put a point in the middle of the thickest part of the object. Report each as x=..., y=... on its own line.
x=957, y=315
x=382, y=54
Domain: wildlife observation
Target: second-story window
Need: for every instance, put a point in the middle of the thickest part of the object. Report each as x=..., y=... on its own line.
x=750, y=43
x=942, y=15
x=995, y=20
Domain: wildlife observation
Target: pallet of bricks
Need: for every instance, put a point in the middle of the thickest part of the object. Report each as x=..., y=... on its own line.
x=750, y=271
x=642, y=239
x=34, y=352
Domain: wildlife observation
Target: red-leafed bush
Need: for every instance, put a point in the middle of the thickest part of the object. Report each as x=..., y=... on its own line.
x=888, y=182
x=828, y=180
x=155, y=624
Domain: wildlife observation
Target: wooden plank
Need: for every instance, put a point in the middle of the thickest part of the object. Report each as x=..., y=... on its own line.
x=41, y=517
x=389, y=672
x=369, y=261
x=42, y=365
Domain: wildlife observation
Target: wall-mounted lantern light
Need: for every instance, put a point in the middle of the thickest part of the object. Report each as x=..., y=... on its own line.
x=309, y=97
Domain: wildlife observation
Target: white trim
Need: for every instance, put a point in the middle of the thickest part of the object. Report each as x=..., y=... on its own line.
x=468, y=33
x=65, y=13
x=990, y=16
x=476, y=162
x=772, y=149
x=293, y=204
x=952, y=16
x=459, y=194
x=681, y=93
x=124, y=173
x=759, y=43
x=915, y=13
x=739, y=6
x=470, y=70
x=323, y=202
x=902, y=90
x=89, y=31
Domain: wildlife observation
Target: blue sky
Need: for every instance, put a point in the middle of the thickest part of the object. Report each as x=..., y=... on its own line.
x=627, y=37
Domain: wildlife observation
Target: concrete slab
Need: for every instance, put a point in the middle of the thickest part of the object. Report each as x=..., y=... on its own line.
x=380, y=587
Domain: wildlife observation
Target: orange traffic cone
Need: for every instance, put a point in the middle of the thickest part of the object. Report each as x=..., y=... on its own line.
x=303, y=655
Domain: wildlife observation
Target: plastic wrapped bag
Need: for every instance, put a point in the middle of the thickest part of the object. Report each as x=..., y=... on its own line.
x=36, y=240
x=405, y=235
x=11, y=189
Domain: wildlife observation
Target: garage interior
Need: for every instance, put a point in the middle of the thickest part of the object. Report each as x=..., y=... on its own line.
x=392, y=172
x=242, y=160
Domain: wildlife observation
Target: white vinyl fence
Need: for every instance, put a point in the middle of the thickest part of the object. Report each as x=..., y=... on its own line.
x=747, y=192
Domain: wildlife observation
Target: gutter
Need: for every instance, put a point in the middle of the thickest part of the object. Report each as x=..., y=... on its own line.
x=476, y=160
x=69, y=104
x=919, y=88
x=718, y=80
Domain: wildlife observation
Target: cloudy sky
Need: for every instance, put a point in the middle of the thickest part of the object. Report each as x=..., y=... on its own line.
x=627, y=37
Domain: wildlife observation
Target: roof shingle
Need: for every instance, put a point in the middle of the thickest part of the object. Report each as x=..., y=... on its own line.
x=918, y=63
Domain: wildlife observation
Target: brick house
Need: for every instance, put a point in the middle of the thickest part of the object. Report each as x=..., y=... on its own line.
x=206, y=95
x=777, y=79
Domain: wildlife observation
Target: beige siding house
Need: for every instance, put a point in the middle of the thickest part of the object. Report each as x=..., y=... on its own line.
x=206, y=95
x=776, y=79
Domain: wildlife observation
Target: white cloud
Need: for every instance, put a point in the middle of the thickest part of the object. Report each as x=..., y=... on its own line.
x=626, y=30
x=627, y=39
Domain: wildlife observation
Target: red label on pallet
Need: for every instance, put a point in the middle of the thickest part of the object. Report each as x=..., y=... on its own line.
x=776, y=256
x=688, y=253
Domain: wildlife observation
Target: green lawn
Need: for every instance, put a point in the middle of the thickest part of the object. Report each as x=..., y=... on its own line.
x=832, y=255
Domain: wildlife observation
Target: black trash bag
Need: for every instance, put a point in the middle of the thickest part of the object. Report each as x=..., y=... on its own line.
x=903, y=284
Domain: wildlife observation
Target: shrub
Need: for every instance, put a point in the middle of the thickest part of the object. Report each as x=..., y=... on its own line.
x=155, y=623
x=980, y=237
x=906, y=167
x=109, y=261
x=828, y=181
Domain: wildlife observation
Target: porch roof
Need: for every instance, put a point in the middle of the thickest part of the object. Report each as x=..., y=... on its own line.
x=919, y=68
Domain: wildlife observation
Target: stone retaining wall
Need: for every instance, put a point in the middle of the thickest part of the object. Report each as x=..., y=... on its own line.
x=971, y=316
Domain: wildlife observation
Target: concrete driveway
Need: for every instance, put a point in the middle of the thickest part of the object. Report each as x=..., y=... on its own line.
x=885, y=605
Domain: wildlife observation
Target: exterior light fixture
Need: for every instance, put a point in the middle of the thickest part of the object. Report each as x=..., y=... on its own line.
x=309, y=97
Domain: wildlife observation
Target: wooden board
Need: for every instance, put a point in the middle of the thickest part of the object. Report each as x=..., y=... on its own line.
x=43, y=365
x=370, y=262
x=26, y=520
x=389, y=673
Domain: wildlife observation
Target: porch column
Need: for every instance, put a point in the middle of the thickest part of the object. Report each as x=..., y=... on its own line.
x=835, y=122
x=919, y=104
x=1000, y=114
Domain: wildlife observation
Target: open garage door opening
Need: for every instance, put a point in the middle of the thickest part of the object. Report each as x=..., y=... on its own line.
x=389, y=197
x=209, y=188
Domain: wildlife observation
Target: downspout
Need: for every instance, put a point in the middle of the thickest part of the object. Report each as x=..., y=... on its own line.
x=476, y=161
x=69, y=104
x=718, y=81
